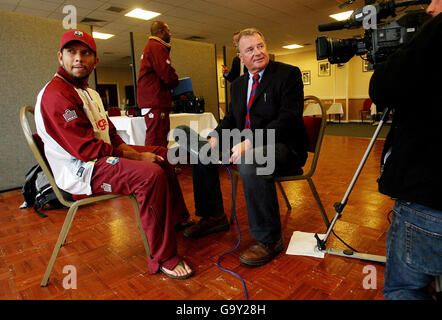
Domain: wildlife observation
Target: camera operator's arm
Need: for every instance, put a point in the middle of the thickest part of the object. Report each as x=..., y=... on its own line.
x=407, y=70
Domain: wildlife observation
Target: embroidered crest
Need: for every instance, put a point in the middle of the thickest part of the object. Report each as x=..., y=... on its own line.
x=70, y=115
x=112, y=160
x=162, y=115
x=78, y=33
x=151, y=115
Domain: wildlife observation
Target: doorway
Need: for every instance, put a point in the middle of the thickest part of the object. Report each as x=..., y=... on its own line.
x=108, y=94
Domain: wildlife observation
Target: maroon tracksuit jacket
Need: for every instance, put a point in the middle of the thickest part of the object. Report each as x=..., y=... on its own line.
x=154, y=184
x=156, y=79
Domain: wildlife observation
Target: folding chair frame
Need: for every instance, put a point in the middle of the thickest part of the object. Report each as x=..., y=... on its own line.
x=72, y=205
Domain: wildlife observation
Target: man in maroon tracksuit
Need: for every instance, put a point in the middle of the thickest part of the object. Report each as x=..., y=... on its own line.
x=156, y=79
x=88, y=157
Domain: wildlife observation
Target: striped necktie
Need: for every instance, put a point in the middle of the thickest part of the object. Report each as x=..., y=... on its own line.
x=252, y=96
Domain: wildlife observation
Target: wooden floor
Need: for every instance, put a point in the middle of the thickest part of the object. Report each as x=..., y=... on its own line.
x=104, y=244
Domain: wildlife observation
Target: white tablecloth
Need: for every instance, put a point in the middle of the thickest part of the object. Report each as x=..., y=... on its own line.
x=133, y=129
x=336, y=108
x=373, y=109
x=312, y=109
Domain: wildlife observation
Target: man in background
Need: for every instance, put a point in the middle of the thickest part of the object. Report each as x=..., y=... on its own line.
x=87, y=156
x=411, y=171
x=238, y=67
x=156, y=79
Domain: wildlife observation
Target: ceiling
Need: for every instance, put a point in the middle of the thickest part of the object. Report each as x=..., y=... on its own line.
x=282, y=22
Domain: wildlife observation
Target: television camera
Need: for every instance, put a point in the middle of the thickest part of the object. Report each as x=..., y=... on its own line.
x=380, y=38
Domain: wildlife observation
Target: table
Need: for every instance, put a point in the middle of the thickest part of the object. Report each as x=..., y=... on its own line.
x=373, y=110
x=335, y=108
x=133, y=129
x=312, y=109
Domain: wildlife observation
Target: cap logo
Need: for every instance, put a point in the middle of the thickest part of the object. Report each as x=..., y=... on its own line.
x=78, y=33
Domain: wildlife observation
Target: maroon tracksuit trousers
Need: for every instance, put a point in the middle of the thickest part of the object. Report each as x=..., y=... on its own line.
x=159, y=196
x=157, y=127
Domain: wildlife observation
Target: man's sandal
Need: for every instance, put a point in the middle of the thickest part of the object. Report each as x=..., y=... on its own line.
x=163, y=270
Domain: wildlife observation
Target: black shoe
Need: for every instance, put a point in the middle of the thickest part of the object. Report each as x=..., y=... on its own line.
x=207, y=225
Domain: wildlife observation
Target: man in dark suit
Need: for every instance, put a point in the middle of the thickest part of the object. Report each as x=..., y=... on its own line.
x=235, y=70
x=267, y=99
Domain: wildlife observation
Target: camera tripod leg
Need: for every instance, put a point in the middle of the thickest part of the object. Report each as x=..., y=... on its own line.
x=339, y=207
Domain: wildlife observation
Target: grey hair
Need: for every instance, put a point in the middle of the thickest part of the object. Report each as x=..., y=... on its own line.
x=248, y=32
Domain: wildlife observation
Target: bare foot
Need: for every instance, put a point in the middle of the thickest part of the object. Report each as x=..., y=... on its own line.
x=181, y=271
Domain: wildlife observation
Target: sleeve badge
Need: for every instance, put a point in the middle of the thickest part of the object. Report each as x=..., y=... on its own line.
x=70, y=115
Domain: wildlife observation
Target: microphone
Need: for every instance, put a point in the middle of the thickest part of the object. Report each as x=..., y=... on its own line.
x=338, y=25
x=354, y=21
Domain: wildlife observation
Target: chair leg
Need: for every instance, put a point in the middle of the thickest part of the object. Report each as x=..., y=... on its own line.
x=235, y=188
x=61, y=238
x=140, y=227
x=318, y=201
x=65, y=236
x=287, y=202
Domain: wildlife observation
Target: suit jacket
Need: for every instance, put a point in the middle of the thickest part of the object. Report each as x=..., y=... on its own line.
x=278, y=105
x=235, y=70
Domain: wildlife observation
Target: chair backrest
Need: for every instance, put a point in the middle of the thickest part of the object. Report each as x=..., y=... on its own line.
x=367, y=104
x=114, y=112
x=315, y=127
x=37, y=148
x=131, y=112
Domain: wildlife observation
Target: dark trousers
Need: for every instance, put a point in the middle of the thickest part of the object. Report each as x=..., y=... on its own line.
x=259, y=192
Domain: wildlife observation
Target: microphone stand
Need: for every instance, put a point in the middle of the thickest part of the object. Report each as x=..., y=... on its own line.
x=339, y=207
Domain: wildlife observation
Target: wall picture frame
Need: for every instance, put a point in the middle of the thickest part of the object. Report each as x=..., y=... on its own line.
x=324, y=69
x=306, y=77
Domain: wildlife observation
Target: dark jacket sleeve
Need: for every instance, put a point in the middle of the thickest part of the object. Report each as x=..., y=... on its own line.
x=234, y=70
x=291, y=103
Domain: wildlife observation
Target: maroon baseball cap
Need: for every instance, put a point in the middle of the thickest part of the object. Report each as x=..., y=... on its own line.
x=78, y=35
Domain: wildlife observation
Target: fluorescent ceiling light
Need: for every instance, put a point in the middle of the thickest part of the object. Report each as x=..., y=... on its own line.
x=100, y=35
x=293, y=46
x=142, y=14
x=342, y=16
